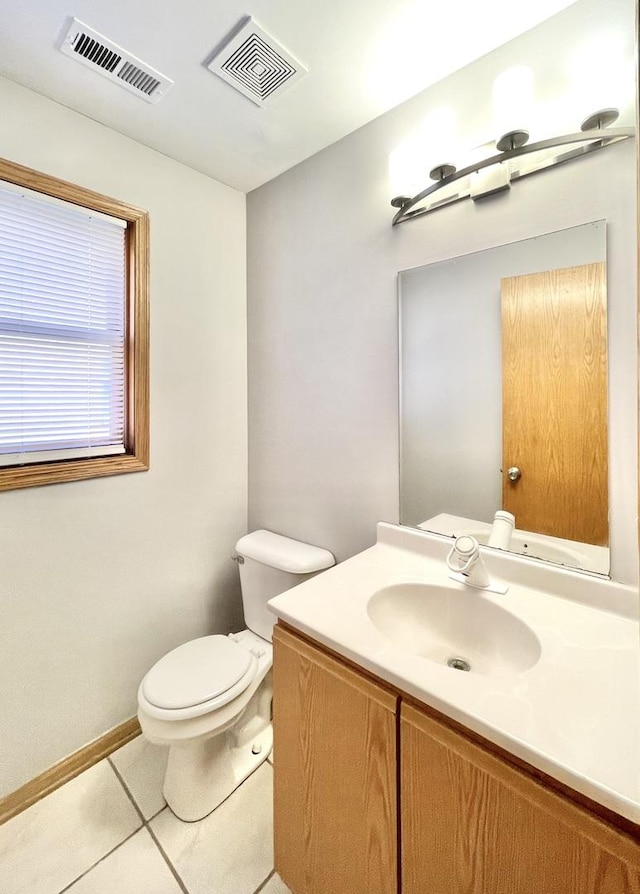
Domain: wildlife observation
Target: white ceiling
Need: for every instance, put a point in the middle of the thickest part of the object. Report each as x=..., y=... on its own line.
x=363, y=56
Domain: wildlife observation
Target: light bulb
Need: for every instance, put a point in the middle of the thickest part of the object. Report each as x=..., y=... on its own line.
x=601, y=75
x=429, y=144
x=512, y=100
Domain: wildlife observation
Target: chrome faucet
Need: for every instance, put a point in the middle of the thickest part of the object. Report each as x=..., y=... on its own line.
x=467, y=565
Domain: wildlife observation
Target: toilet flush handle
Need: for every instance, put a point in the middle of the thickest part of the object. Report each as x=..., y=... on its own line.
x=236, y=558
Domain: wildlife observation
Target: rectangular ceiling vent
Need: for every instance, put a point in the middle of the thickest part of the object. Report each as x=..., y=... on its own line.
x=255, y=64
x=102, y=55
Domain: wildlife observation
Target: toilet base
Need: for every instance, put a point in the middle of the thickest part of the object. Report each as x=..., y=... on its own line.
x=201, y=775
x=202, y=772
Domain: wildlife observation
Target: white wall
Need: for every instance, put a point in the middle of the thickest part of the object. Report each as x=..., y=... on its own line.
x=99, y=578
x=323, y=261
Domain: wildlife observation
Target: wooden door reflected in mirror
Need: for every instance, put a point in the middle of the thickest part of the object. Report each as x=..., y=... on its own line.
x=554, y=397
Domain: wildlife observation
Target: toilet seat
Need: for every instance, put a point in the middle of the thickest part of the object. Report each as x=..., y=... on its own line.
x=196, y=678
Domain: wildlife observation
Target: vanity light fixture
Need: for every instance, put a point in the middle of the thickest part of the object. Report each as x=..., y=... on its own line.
x=497, y=172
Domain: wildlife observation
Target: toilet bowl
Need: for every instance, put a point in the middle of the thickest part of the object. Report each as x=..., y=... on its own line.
x=210, y=699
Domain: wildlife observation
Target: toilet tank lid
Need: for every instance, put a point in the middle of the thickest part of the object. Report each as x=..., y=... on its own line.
x=284, y=553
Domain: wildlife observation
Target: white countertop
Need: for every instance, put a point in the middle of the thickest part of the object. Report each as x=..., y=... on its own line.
x=574, y=714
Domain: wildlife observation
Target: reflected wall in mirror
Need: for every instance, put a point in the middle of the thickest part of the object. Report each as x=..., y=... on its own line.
x=504, y=369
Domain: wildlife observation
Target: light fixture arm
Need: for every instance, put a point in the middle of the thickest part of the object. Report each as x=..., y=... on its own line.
x=594, y=139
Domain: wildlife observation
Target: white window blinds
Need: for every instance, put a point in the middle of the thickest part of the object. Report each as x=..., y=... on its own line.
x=62, y=329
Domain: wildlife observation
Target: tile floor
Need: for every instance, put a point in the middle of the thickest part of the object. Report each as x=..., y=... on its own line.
x=109, y=831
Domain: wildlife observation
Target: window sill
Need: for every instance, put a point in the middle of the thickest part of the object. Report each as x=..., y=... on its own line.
x=36, y=475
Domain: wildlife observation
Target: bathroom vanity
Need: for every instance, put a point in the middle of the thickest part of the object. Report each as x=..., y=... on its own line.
x=395, y=772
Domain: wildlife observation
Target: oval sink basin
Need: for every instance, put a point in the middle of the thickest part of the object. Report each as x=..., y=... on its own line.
x=446, y=625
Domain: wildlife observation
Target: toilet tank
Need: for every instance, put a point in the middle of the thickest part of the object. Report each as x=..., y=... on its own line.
x=272, y=564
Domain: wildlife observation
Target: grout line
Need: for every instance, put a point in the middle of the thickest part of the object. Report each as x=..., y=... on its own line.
x=101, y=860
x=146, y=825
x=126, y=789
x=120, y=843
x=263, y=885
x=157, y=813
x=167, y=860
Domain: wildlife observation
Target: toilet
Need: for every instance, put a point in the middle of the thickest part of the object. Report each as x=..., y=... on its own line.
x=209, y=699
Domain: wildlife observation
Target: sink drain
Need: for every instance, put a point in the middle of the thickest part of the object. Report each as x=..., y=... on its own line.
x=459, y=664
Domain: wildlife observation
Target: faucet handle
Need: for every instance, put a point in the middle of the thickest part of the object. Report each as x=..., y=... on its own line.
x=466, y=551
x=470, y=569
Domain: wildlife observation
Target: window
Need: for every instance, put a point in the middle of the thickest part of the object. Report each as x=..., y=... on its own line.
x=73, y=332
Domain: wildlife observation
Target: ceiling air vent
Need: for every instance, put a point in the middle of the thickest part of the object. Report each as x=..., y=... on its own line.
x=255, y=64
x=110, y=60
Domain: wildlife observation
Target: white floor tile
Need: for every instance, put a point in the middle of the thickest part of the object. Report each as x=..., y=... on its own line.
x=136, y=866
x=142, y=767
x=45, y=848
x=275, y=885
x=229, y=852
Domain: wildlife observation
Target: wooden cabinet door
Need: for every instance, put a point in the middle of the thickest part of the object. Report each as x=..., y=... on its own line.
x=472, y=824
x=335, y=777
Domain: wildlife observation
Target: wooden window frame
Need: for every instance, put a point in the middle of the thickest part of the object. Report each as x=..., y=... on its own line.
x=136, y=439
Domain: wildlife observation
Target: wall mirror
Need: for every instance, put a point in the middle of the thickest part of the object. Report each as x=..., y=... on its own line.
x=503, y=395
